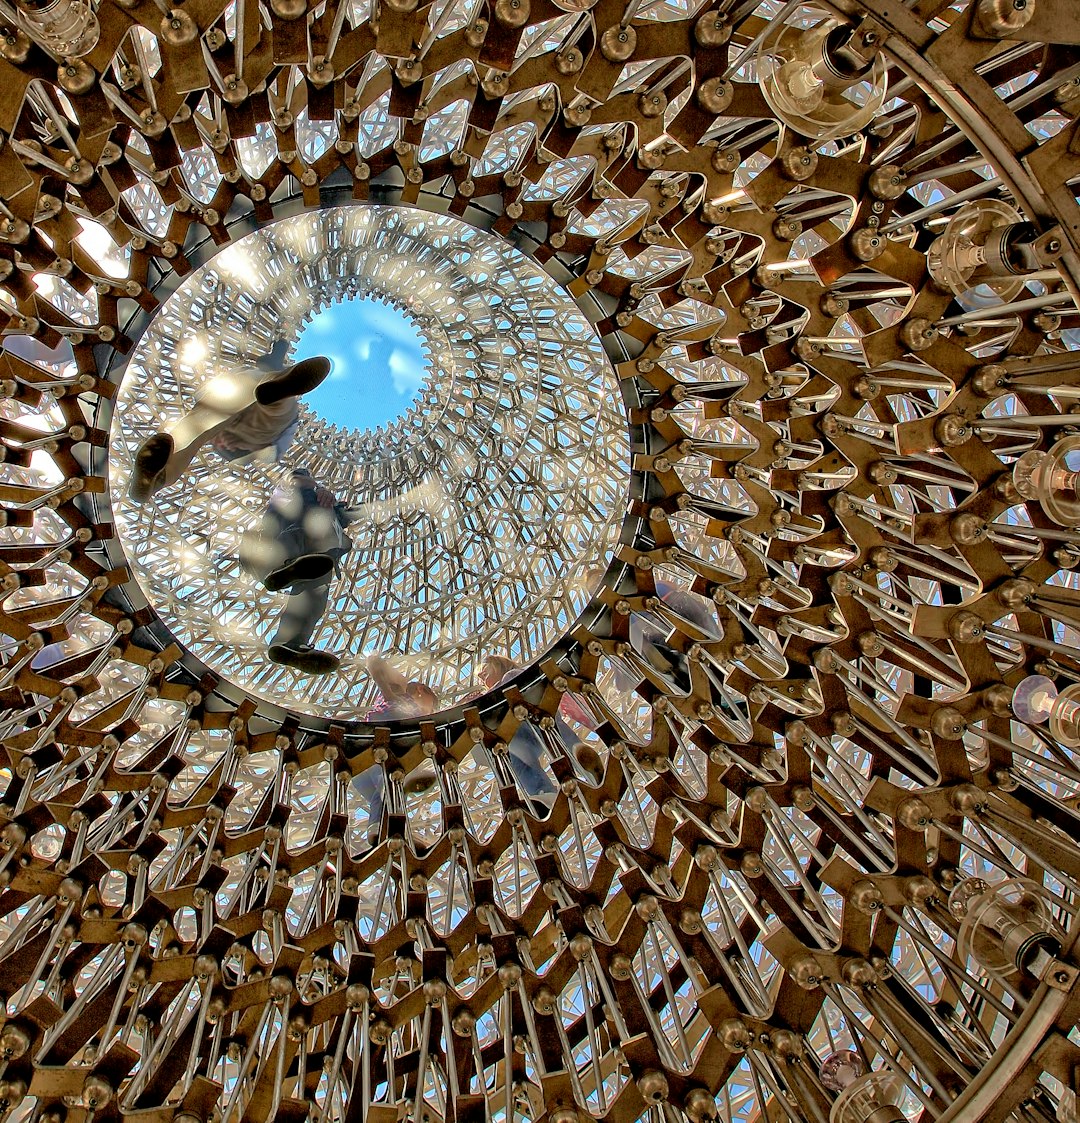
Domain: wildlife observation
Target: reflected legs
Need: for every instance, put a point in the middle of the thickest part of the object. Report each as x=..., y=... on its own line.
x=302, y=613
x=370, y=786
x=526, y=749
x=267, y=557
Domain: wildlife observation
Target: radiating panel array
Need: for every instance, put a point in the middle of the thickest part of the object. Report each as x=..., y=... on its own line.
x=812, y=853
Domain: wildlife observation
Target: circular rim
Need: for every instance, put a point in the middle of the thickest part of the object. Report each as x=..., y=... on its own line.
x=513, y=518
x=722, y=836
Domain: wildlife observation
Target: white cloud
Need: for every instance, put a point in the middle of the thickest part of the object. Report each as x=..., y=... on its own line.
x=406, y=374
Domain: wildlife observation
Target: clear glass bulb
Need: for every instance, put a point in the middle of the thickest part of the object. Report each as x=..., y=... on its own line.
x=68, y=28
x=1006, y=927
x=866, y=1098
x=983, y=252
x=816, y=82
x=1050, y=479
x=840, y=1069
x=1033, y=699
x=1036, y=701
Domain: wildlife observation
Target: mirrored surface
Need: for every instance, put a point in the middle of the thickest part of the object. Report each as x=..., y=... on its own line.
x=478, y=518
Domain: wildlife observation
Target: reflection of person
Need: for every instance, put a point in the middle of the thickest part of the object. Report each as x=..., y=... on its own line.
x=370, y=787
x=297, y=547
x=238, y=413
x=649, y=631
x=494, y=670
x=648, y=628
x=527, y=747
x=400, y=697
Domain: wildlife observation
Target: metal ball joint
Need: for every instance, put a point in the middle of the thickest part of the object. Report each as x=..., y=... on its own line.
x=700, y=1106
x=653, y=1086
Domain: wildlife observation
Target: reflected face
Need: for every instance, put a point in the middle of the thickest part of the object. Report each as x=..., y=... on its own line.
x=490, y=673
x=423, y=696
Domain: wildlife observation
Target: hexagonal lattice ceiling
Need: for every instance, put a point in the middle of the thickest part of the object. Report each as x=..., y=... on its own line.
x=806, y=850
x=476, y=515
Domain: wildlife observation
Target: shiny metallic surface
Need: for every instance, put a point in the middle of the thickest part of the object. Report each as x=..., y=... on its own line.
x=484, y=513
x=821, y=708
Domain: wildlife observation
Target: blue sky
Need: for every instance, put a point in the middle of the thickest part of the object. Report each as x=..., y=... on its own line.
x=378, y=363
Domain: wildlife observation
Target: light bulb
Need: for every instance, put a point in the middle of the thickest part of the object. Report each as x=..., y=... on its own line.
x=1047, y=478
x=840, y=1069
x=985, y=243
x=864, y=1097
x=1036, y=701
x=1006, y=927
x=68, y=28
x=817, y=82
x=1033, y=699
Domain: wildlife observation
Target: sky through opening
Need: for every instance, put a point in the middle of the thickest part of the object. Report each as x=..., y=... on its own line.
x=378, y=362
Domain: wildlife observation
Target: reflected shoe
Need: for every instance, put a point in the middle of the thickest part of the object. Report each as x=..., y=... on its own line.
x=293, y=381
x=307, y=567
x=539, y=806
x=589, y=760
x=150, y=460
x=307, y=659
x=420, y=780
x=674, y=665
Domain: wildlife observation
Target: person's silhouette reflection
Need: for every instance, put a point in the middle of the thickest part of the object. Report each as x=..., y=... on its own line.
x=650, y=631
x=297, y=547
x=237, y=413
x=527, y=750
x=399, y=697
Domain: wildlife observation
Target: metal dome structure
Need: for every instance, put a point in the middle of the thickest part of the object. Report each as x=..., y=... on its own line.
x=818, y=861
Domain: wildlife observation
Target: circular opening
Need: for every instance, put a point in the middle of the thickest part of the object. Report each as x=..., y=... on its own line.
x=481, y=511
x=378, y=361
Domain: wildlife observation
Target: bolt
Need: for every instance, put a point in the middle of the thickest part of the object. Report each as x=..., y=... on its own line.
x=1053, y=246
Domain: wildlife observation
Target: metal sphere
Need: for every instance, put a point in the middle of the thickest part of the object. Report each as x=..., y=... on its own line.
x=653, y=1086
